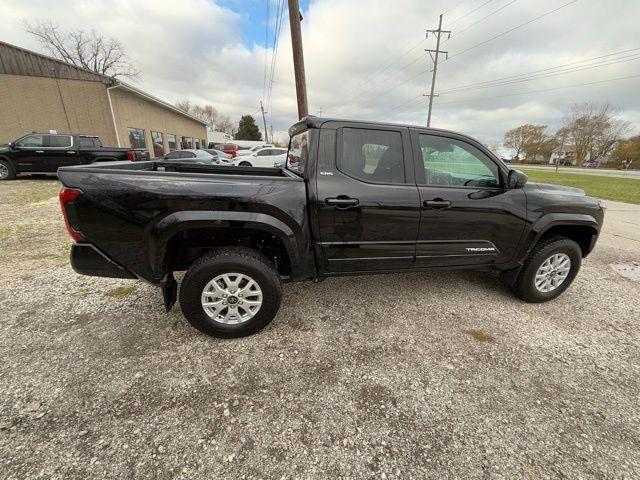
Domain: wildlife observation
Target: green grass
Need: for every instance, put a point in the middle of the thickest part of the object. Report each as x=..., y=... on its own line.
x=610, y=188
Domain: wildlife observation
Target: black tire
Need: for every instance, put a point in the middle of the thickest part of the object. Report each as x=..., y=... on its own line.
x=525, y=287
x=244, y=164
x=230, y=260
x=6, y=171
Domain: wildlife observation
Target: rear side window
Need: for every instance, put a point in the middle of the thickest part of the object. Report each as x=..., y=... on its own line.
x=372, y=155
x=88, y=142
x=59, y=141
x=298, y=152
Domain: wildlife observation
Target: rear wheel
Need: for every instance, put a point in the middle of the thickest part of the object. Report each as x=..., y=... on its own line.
x=6, y=171
x=231, y=292
x=244, y=164
x=549, y=270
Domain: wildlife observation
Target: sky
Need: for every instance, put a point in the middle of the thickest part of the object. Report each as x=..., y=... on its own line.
x=366, y=59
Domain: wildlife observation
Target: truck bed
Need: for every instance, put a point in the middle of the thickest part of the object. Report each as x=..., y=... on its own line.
x=131, y=211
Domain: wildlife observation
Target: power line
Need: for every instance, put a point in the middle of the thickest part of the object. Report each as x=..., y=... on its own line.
x=276, y=38
x=512, y=29
x=449, y=25
x=266, y=42
x=543, y=90
x=483, y=18
x=545, y=73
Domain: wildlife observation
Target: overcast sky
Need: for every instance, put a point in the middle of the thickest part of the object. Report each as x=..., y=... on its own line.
x=366, y=59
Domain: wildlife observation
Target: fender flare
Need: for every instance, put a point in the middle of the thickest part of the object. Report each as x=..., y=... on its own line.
x=544, y=223
x=160, y=233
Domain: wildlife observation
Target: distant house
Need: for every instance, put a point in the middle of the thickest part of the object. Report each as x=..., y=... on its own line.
x=565, y=155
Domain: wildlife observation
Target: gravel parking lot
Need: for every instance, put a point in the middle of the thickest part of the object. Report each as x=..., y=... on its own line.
x=438, y=375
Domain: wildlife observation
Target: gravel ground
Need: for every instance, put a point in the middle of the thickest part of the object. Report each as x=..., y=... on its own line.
x=440, y=375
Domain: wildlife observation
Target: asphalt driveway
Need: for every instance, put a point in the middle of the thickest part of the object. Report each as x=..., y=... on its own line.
x=439, y=375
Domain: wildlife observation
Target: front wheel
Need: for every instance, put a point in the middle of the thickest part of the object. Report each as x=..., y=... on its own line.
x=549, y=270
x=244, y=164
x=230, y=292
x=6, y=171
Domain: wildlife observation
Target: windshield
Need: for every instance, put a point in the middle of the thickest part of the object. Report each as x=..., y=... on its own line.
x=298, y=152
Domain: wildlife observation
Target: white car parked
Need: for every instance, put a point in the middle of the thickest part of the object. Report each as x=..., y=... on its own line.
x=248, y=151
x=265, y=157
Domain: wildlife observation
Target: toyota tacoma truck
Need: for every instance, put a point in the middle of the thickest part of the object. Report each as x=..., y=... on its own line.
x=354, y=198
x=46, y=152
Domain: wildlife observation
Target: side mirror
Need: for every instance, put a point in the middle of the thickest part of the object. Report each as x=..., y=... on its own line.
x=12, y=146
x=516, y=179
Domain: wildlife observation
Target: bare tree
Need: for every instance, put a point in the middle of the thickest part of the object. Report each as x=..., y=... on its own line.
x=88, y=50
x=594, y=130
x=208, y=114
x=185, y=105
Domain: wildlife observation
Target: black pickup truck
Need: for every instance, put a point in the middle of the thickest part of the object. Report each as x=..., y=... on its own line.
x=46, y=152
x=354, y=198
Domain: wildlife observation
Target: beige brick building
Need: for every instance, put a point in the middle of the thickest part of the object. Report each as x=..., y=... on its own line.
x=39, y=93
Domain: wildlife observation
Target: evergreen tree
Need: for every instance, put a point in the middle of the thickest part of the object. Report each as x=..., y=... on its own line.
x=248, y=129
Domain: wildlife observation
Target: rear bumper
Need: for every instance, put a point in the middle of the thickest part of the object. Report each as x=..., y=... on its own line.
x=88, y=260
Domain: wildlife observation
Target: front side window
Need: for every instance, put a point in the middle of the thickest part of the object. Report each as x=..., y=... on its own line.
x=137, y=138
x=372, y=155
x=158, y=143
x=173, y=155
x=172, y=141
x=31, y=141
x=59, y=141
x=450, y=162
x=298, y=152
x=264, y=153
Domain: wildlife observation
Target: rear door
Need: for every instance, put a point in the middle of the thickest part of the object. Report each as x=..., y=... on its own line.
x=368, y=206
x=60, y=152
x=467, y=216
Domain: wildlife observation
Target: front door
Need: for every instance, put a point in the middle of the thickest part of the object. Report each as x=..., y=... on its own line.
x=467, y=216
x=368, y=205
x=29, y=153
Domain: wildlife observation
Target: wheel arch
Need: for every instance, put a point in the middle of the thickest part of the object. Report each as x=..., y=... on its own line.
x=183, y=236
x=582, y=229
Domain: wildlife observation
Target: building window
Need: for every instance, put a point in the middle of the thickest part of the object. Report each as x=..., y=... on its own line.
x=186, y=142
x=172, y=141
x=137, y=138
x=158, y=143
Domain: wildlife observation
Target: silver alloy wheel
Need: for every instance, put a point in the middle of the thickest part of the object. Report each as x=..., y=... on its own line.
x=553, y=272
x=231, y=298
x=4, y=171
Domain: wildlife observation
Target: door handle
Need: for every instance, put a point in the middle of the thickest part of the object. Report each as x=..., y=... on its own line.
x=39, y=151
x=437, y=204
x=342, y=202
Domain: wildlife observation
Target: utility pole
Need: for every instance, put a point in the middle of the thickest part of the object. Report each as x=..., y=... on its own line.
x=264, y=120
x=298, y=58
x=438, y=33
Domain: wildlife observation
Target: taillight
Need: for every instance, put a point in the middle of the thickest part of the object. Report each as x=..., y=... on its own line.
x=69, y=195
x=131, y=155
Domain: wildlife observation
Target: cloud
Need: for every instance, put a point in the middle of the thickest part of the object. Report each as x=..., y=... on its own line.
x=366, y=59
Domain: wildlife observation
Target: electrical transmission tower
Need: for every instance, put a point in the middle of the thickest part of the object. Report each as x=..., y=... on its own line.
x=434, y=54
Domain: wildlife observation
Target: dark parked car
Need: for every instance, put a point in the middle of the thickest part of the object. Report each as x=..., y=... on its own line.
x=46, y=152
x=354, y=198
